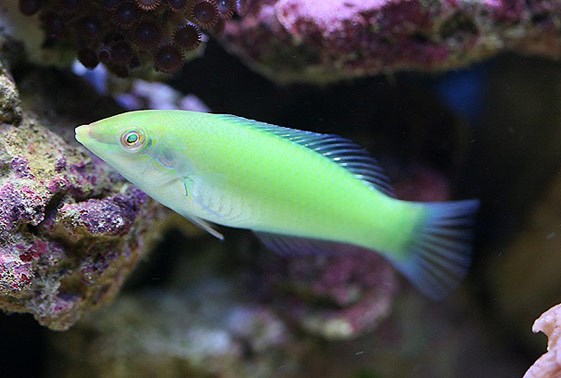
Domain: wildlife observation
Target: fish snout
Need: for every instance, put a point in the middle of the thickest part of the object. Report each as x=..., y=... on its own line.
x=82, y=133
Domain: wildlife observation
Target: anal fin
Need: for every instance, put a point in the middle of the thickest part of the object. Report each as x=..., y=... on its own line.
x=287, y=245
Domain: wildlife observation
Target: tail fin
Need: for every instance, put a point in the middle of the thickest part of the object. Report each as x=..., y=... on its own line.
x=440, y=252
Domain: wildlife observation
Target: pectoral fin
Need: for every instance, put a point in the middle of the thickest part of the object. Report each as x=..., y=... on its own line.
x=187, y=184
x=206, y=191
x=204, y=225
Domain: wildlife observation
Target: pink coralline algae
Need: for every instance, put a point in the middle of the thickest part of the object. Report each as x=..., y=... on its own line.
x=70, y=231
x=338, y=296
x=322, y=41
x=108, y=216
x=548, y=365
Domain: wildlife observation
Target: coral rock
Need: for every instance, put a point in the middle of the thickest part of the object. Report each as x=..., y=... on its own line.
x=70, y=232
x=201, y=332
x=10, y=111
x=321, y=41
x=339, y=296
x=548, y=365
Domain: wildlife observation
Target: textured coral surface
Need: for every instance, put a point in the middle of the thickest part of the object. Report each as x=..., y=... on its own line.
x=70, y=230
x=10, y=111
x=213, y=328
x=336, y=297
x=548, y=365
x=127, y=34
x=320, y=41
x=69, y=235
x=205, y=331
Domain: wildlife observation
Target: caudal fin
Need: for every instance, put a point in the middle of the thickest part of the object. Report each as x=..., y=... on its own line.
x=440, y=252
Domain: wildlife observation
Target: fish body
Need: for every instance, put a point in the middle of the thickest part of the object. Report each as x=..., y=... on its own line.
x=299, y=191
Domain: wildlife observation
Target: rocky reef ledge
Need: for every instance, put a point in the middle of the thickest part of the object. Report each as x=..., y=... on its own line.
x=324, y=41
x=71, y=230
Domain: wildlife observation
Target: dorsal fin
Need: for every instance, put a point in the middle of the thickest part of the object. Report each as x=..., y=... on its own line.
x=344, y=152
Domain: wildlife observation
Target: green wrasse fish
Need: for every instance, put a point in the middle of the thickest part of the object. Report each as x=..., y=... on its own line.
x=301, y=192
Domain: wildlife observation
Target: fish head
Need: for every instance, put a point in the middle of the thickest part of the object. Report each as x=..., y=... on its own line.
x=126, y=142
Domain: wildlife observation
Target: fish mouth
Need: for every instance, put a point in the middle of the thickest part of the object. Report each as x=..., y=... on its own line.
x=82, y=133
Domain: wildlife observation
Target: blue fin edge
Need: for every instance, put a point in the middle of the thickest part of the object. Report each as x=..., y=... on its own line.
x=440, y=253
x=341, y=151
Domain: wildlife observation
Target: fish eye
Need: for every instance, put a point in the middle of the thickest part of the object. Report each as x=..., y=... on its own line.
x=133, y=140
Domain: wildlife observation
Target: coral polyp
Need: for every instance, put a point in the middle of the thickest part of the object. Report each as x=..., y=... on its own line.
x=125, y=15
x=178, y=5
x=90, y=28
x=168, y=59
x=226, y=8
x=204, y=13
x=148, y=5
x=187, y=37
x=147, y=35
x=128, y=35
